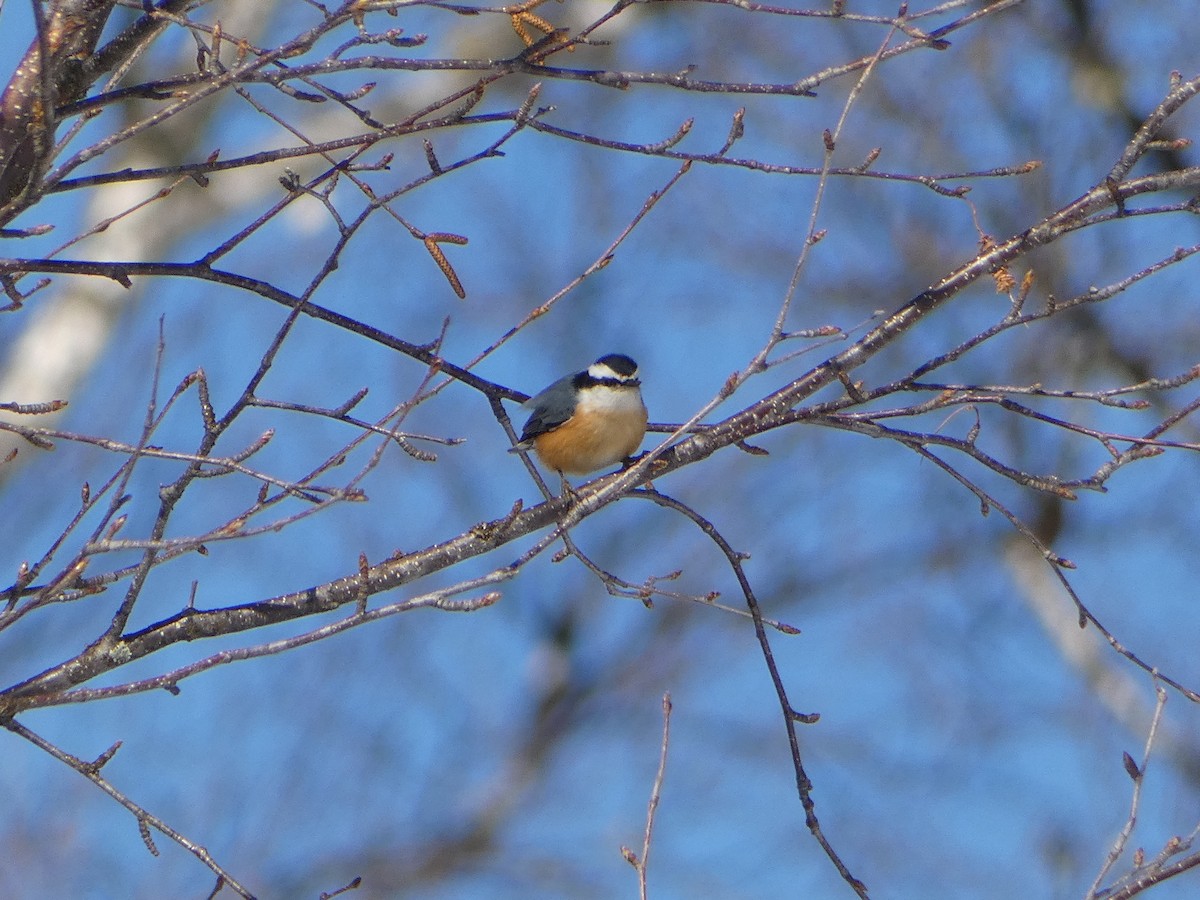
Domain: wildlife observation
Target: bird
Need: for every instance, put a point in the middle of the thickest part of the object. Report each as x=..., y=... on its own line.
x=588, y=420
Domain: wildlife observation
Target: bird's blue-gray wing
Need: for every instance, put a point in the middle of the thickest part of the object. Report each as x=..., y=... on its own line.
x=551, y=408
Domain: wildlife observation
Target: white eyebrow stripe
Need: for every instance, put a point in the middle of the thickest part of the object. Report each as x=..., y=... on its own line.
x=602, y=371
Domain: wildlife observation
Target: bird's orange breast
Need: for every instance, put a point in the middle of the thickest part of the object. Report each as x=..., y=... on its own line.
x=591, y=440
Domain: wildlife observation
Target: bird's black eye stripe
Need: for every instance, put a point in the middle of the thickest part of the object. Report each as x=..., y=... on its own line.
x=586, y=380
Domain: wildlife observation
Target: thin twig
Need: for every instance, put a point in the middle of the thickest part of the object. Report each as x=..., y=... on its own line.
x=1138, y=774
x=642, y=863
x=145, y=819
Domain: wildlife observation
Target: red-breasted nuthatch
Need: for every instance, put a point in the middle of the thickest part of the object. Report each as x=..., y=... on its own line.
x=588, y=420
